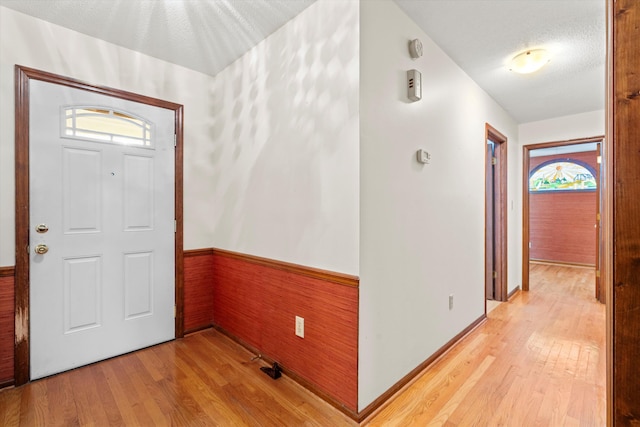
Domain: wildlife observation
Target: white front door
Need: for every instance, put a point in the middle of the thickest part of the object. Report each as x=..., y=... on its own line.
x=101, y=196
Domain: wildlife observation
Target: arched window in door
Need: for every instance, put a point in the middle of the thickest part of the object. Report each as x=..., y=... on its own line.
x=102, y=124
x=562, y=175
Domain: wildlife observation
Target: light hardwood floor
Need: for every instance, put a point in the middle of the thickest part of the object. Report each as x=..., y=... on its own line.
x=538, y=360
x=204, y=379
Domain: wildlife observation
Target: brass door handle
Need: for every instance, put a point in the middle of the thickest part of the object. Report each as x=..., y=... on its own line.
x=42, y=249
x=42, y=228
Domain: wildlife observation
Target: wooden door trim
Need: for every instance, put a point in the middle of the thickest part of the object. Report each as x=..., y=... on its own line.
x=599, y=291
x=525, y=196
x=23, y=75
x=489, y=223
x=500, y=228
x=607, y=208
x=623, y=225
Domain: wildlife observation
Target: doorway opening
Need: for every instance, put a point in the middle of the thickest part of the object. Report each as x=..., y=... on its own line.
x=562, y=205
x=495, y=215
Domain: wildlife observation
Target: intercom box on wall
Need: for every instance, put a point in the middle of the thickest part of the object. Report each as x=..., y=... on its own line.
x=414, y=83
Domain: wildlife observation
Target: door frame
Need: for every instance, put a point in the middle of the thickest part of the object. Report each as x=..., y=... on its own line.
x=23, y=75
x=525, y=200
x=499, y=211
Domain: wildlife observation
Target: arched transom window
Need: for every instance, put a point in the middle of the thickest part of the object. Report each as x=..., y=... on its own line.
x=106, y=125
x=562, y=175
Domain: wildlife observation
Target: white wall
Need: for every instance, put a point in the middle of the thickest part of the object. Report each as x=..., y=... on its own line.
x=271, y=143
x=583, y=125
x=422, y=227
x=38, y=44
x=284, y=134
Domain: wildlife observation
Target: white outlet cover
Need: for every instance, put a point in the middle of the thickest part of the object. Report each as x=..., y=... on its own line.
x=300, y=326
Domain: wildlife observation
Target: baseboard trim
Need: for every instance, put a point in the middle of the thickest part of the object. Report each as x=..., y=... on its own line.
x=387, y=397
x=561, y=263
x=316, y=273
x=295, y=377
x=197, y=329
x=7, y=383
x=7, y=271
x=513, y=292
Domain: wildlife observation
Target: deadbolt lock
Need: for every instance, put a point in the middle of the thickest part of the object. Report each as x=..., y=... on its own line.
x=42, y=228
x=42, y=249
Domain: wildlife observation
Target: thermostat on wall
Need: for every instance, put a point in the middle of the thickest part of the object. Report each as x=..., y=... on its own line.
x=423, y=156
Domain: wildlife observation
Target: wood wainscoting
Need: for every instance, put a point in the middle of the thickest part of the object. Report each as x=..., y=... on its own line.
x=198, y=289
x=562, y=227
x=7, y=326
x=256, y=300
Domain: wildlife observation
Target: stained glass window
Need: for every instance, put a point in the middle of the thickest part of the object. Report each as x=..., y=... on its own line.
x=106, y=125
x=562, y=175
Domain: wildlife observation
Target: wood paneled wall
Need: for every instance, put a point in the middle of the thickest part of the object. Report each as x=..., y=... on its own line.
x=6, y=325
x=562, y=225
x=198, y=289
x=257, y=302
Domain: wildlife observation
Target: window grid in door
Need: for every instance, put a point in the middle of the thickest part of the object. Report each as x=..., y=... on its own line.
x=102, y=124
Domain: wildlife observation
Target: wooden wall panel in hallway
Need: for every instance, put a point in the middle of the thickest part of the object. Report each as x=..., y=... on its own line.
x=6, y=325
x=562, y=224
x=198, y=289
x=538, y=360
x=256, y=301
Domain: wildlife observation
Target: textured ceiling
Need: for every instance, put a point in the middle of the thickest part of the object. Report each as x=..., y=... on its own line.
x=480, y=35
x=204, y=35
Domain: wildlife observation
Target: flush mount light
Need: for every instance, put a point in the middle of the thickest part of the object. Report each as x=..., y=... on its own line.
x=529, y=61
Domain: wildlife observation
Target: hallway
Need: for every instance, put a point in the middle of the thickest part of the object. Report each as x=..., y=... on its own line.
x=538, y=360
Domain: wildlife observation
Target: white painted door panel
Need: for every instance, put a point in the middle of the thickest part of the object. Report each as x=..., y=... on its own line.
x=106, y=285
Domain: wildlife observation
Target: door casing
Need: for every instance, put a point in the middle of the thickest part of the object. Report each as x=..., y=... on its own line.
x=22, y=77
x=497, y=260
x=525, y=207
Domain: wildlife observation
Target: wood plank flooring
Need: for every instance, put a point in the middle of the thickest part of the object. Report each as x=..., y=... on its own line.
x=538, y=360
x=204, y=379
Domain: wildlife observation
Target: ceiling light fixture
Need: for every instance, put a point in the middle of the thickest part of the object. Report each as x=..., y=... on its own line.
x=529, y=61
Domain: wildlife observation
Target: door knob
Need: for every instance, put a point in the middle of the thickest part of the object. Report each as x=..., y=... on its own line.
x=42, y=249
x=42, y=228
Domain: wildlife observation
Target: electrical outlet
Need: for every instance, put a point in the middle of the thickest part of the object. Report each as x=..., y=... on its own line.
x=300, y=326
x=451, y=302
